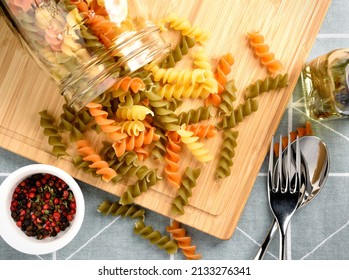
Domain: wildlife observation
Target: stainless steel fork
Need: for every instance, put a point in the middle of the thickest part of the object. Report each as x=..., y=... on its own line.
x=284, y=189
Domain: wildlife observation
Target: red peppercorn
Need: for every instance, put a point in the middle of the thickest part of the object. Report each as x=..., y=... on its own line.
x=70, y=217
x=19, y=223
x=47, y=195
x=56, y=200
x=65, y=194
x=72, y=205
x=45, y=207
x=14, y=203
x=31, y=195
x=56, y=216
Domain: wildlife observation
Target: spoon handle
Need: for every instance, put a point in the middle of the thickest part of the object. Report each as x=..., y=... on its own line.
x=265, y=245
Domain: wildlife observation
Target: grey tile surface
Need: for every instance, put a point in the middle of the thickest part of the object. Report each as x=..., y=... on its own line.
x=319, y=231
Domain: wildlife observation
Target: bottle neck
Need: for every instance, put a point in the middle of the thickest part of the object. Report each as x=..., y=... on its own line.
x=130, y=52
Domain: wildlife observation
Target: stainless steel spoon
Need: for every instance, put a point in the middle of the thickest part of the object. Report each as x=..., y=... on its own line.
x=316, y=168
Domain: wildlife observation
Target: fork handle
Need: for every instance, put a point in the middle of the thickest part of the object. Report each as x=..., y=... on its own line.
x=265, y=245
x=283, y=244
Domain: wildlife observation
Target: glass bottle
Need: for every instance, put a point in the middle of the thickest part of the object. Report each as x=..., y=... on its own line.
x=325, y=82
x=85, y=45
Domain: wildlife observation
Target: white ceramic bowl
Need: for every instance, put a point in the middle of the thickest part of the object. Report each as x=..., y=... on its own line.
x=14, y=236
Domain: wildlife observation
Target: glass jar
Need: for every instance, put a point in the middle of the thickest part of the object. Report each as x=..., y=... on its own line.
x=86, y=45
x=325, y=82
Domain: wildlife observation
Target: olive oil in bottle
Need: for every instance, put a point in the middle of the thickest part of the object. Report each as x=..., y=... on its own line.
x=325, y=82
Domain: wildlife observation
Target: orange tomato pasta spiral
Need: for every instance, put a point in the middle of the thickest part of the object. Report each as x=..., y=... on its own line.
x=130, y=143
x=89, y=154
x=300, y=131
x=203, y=130
x=126, y=83
x=222, y=70
x=261, y=49
x=172, y=157
x=107, y=125
x=184, y=242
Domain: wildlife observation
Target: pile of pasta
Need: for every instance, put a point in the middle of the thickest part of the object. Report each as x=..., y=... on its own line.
x=140, y=119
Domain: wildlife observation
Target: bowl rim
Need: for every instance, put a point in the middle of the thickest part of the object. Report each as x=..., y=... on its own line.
x=16, y=238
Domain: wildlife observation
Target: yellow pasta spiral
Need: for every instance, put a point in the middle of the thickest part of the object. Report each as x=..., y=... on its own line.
x=131, y=127
x=179, y=91
x=196, y=148
x=136, y=113
x=180, y=77
x=183, y=25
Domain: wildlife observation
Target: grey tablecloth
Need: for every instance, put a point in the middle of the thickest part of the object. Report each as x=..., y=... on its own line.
x=318, y=231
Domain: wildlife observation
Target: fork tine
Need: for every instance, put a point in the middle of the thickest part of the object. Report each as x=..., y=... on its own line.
x=288, y=174
x=279, y=179
x=298, y=165
x=271, y=164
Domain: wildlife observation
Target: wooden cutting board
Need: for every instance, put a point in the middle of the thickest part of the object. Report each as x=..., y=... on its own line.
x=290, y=28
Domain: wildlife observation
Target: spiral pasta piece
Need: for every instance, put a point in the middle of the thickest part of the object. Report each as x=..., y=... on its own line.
x=172, y=158
x=180, y=77
x=299, y=131
x=182, y=91
x=136, y=113
x=222, y=70
x=132, y=128
x=180, y=50
x=180, y=24
x=268, y=84
x=235, y=117
x=128, y=83
x=184, y=242
x=228, y=97
x=203, y=130
x=98, y=163
x=159, y=148
x=261, y=49
x=155, y=237
x=185, y=191
x=193, y=144
x=59, y=149
x=194, y=115
x=141, y=186
x=74, y=122
x=164, y=117
x=133, y=142
x=201, y=60
x=107, y=125
x=227, y=153
x=116, y=209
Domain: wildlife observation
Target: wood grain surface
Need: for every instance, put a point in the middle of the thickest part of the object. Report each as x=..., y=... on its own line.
x=290, y=28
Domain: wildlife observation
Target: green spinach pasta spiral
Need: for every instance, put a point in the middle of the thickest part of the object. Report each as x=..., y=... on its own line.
x=237, y=116
x=136, y=189
x=228, y=97
x=227, y=153
x=116, y=209
x=185, y=190
x=194, y=115
x=59, y=149
x=181, y=49
x=155, y=237
x=268, y=84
